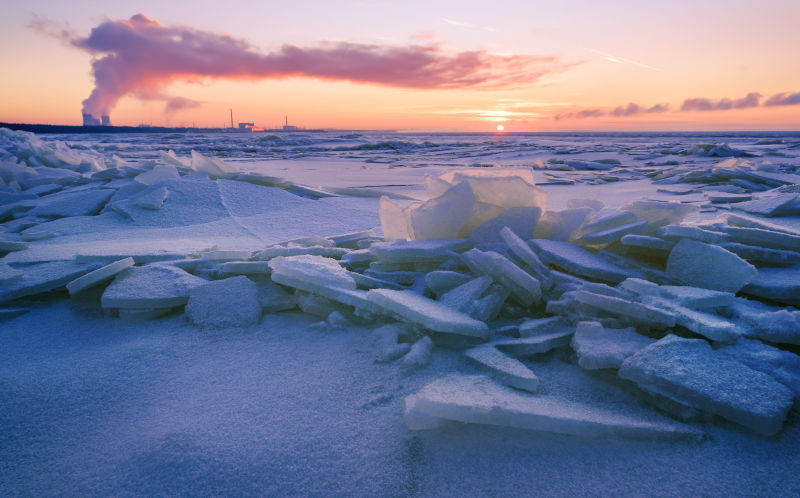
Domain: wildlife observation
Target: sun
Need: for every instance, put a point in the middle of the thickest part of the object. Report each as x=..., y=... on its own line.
x=500, y=127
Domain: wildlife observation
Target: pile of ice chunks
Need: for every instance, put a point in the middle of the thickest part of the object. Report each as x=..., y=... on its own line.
x=700, y=320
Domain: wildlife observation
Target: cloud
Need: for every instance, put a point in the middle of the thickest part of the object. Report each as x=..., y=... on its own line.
x=462, y=24
x=174, y=104
x=784, y=98
x=703, y=104
x=141, y=57
x=631, y=109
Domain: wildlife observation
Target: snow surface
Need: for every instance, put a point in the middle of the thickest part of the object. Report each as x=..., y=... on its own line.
x=93, y=404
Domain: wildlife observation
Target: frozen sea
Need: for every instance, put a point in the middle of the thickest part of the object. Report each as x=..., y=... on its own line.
x=93, y=405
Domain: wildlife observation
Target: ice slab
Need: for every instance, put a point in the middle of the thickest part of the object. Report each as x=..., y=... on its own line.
x=309, y=272
x=403, y=251
x=213, y=166
x=233, y=302
x=783, y=366
x=767, y=205
x=418, y=421
x=691, y=297
x=579, y=261
x=245, y=268
x=598, y=347
x=442, y=281
x=706, y=324
x=66, y=204
x=43, y=277
x=677, y=232
x=609, y=235
x=765, y=238
x=710, y=267
x=476, y=399
x=540, y=326
x=9, y=274
x=151, y=286
x=690, y=372
x=152, y=198
x=523, y=287
x=386, y=345
x=98, y=276
x=765, y=255
x=535, y=344
x=659, y=213
x=634, y=312
x=523, y=251
x=503, y=368
x=560, y=225
x=609, y=218
x=427, y=313
x=781, y=285
x=419, y=356
x=442, y=217
x=647, y=243
x=462, y=296
x=520, y=220
x=273, y=297
x=159, y=173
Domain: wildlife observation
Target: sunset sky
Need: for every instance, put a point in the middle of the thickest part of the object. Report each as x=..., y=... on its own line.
x=411, y=65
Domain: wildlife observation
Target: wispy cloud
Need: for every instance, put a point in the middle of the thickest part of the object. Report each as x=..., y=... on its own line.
x=784, y=98
x=622, y=60
x=141, y=57
x=462, y=24
x=631, y=109
x=752, y=99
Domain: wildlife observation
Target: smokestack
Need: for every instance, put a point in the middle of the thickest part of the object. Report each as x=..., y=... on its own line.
x=106, y=121
x=89, y=120
x=231, y=118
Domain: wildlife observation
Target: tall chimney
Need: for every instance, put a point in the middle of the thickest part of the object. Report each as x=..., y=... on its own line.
x=231, y=118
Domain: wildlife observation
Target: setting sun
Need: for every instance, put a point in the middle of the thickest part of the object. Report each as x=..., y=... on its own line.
x=500, y=128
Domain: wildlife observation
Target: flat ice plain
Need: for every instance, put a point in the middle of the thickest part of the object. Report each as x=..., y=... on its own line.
x=130, y=363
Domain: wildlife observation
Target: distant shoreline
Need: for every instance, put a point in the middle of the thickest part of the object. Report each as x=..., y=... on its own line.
x=65, y=129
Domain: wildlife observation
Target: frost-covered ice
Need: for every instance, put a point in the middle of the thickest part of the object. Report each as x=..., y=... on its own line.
x=356, y=320
x=690, y=372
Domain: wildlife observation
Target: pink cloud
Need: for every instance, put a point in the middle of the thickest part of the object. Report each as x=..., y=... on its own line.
x=141, y=57
x=784, y=98
x=702, y=104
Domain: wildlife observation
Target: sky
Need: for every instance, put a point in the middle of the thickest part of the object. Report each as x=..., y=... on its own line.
x=412, y=65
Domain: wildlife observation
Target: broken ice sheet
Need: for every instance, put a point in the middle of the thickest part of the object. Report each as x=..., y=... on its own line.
x=477, y=399
x=690, y=372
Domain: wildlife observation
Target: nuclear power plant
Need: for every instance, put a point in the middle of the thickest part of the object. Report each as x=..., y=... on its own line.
x=89, y=120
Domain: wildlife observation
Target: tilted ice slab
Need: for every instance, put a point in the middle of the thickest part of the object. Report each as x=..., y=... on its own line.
x=151, y=286
x=579, y=261
x=503, y=368
x=477, y=399
x=9, y=274
x=81, y=203
x=764, y=238
x=233, y=302
x=691, y=297
x=43, y=277
x=98, y=276
x=690, y=372
x=159, y=173
x=523, y=287
x=777, y=284
x=308, y=272
x=783, y=366
x=152, y=198
x=404, y=251
x=535, y=344
x=523, y=251
x=427, y=313
x=598, y=347
x=710, y=267
x=767, y=205
x=632, y=311
x=658, y=213
x=609, y=235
